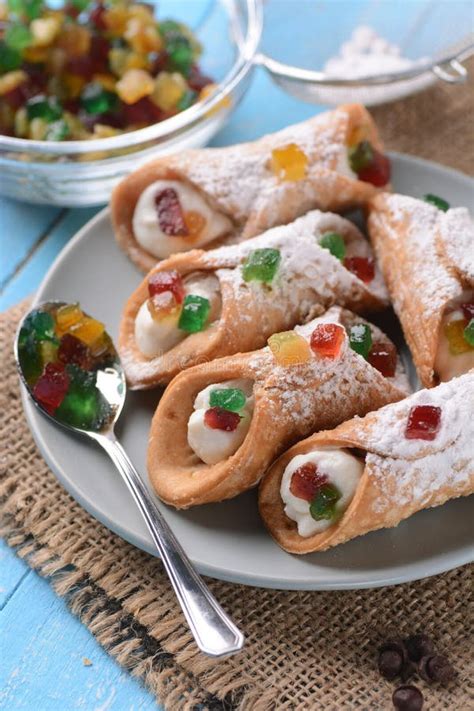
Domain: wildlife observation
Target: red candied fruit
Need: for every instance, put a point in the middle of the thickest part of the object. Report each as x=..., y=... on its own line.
x=362, y=267
x=167, y=281
x=51, y=387
x=383, y=357
x=72, y=350
x=142, y=112
x=468, y=310
x=170, y=213
x=327, y=339
x=306, y=481
x=423, y=422
x=96, y=17
x=377, y=172
x=217, y=418
x=196, y=80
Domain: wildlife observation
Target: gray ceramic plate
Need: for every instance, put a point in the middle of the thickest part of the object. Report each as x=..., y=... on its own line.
x=227, y=540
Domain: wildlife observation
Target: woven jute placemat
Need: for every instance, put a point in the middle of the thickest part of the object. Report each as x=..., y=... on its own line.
x=304, y=650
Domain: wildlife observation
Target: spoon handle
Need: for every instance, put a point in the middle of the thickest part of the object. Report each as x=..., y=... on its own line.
x=214, y=632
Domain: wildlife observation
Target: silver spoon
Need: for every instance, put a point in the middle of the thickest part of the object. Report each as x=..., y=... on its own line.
x=214, y=632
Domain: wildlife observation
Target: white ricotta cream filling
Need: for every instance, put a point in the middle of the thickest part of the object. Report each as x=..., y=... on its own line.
x=448, y=365
x=342, y=470
x=210, y=445
x=154, y=338
x=151, y=237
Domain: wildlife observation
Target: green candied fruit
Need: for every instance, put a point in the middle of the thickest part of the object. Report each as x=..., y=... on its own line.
x=29, y=356
x=261, y=265
x=360, y=339
x=45, y=107
x=83, y=405
x=334, y=242
x=194, y=313
x=323, y=506
x=96, y=100
x=360, y=156
x=18, y=37
x=187, y=100
x=57, y=131
x=437, y=202
x=232, y=399
x=85, y=379
x=10, y=58
x=31, y=9
x=468, y=333
x=180, y=54
x=41, y=325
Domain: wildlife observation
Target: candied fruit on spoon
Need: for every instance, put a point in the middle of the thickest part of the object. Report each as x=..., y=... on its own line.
x=51, y=387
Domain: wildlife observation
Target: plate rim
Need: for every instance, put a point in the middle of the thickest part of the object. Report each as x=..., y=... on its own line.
x=407, y=573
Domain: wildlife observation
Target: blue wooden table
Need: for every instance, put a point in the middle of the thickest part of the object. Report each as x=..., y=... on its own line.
x=44, y=650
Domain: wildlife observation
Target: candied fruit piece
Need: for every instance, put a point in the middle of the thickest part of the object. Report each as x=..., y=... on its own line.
x=163, y=306
x=436, y=201
x=141, y=37
x=369, y=164
x=72, y=350
x=96, y=17
x=306, y=481
x=180, y=53
x=48, y=351
x=83, y=407
x=18, y=36
x=88, y=330
x=468, y=310
x=334, y=242
x=187, y=100
x=67, y=316
x=194, y=313
x=261, y=265
x=362, y=267
x=10, y=58
x=423, y=422
x=51, y=387
x=41, y=325
x=170, y=213
x=289, y=348
x=196, y=80
x=232, y=399
x=454, y=332
x=327, y=339
x=29, y=357
x=168, y=90
x=44, y=107
x=96, y=100
x=45, y=30
x=167, y=281
x=383, y=357
x=74, y=39
x=134, y=85
x=360, y=339
x=469, y=333
x=57, y=131
x=217, y=418
x=115, y=19
x=11, y=81
x=289, y=163
x=195, y=223
x=323, y=506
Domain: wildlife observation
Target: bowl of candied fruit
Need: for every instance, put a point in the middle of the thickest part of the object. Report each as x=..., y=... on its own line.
x=89, y=88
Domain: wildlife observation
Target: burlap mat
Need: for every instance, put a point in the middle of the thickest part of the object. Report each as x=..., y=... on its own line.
x=304, y=650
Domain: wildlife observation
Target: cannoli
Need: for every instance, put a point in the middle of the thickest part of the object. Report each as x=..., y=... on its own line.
x=201, y=305
x=427, y=257
x=219, y=425
x=373, y=472
x=199, y=198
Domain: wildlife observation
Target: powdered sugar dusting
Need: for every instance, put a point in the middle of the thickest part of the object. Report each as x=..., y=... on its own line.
x=456, y=228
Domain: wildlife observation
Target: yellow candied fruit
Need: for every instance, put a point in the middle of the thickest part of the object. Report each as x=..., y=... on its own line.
x=47, y=351
x=168, y=90
x=45, y=30
x=101, y=130
x=121, y=60
x=142, y=13
x=134, y=85
x=164, y=307
x=142, y=38
x=88, y=330
x=454, y=332
x=101, y=345
x=75, y=40
x=67, y=316
x=107, y=81
x=38, y=129
x=73, y=84
x=115, y=19
x=358, y=133
x=21, y=123
x=11, y=80
x=289, y=163
x=289, y=348
x=195, y=222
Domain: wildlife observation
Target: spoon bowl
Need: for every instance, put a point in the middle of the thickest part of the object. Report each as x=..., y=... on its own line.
x=71, y=370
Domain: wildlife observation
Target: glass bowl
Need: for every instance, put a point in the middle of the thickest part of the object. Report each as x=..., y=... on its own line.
x=83, y=173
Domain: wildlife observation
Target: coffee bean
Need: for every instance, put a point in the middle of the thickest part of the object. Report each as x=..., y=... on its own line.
x=407, y=698
x=418, y=646
x=436, y=667
x=392, y=658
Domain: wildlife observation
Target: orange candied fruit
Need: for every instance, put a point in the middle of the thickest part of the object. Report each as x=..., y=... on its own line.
x=74, y=40
x=454, y=332
x=88, y=330
x=163, y=306
x=289, y=348
x=195, y=223
x=327, y=339
x=142, y=38
x=357, y=133
x=135, y=85
x=289, y=163
x=67, y=316
x=115, y=19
